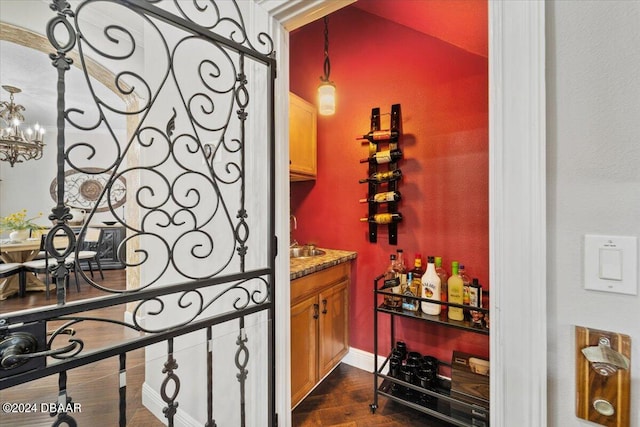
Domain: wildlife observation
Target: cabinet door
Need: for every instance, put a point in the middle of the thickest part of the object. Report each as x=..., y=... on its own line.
x=304, y=341
x=109, y=249
x=334, y=327
x=302, y=139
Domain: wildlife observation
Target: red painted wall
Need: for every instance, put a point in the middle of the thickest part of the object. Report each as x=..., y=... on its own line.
x=443, y=91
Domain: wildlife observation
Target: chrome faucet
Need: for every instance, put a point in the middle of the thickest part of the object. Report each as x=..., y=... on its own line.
x=292, y=241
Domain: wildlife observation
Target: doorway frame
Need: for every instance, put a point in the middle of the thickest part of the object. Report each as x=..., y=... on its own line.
x=517, y=203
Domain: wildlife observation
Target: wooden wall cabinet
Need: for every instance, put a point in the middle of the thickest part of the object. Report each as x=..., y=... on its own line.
x=303, y=135
x=319, y=327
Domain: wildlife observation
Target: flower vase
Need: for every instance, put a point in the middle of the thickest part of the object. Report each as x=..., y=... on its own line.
x=19, y=235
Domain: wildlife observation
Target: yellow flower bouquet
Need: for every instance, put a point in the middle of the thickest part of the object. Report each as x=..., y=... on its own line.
x=19, y=221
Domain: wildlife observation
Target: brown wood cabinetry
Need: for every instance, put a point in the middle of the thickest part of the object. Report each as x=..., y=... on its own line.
x=304, y=348
x=303, y=135
x=319, y=327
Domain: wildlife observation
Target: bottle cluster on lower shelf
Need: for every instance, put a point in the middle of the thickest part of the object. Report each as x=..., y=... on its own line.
x=415, y=378
x=432, y=292
x=413, y=368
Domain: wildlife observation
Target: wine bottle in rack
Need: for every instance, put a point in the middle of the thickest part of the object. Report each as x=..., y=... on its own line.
x=380, y=135
x=387, y=196
x=384, y=218
x=384, y=156
x=385, y=176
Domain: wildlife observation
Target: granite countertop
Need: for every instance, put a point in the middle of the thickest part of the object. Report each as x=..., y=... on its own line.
x=303, y=266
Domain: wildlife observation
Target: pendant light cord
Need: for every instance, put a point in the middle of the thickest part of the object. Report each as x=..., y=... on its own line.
x=327, y=63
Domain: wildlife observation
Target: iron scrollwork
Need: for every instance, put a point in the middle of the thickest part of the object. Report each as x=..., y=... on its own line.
x=192, y=201
x=171, y=378
x=183, y=158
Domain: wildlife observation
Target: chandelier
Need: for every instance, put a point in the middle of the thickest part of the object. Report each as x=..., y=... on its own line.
x=15, y=146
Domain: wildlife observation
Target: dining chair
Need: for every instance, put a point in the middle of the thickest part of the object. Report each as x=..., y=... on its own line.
x=36, y=234
x=42, y=266
x=12, y=268
x=93, y=240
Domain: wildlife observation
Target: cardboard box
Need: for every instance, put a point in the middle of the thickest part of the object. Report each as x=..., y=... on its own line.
x=470, y=376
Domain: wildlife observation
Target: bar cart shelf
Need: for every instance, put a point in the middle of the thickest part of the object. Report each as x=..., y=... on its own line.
x=437, y=402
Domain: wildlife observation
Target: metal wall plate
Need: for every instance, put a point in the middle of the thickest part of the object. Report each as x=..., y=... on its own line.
x=603, y=395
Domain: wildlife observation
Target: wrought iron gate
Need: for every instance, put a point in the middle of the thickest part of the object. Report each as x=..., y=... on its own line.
x=197, y=155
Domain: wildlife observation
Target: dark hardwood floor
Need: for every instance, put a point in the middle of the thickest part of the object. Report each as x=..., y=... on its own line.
x=95, y=387
x=343, y=400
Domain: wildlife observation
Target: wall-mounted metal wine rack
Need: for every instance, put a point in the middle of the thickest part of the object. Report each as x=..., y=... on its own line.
x=379, y=141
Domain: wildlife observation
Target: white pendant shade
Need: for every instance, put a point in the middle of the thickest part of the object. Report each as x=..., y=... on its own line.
x=326, y=99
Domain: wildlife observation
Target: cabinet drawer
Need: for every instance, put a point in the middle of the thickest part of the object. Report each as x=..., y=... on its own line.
x=316, y=282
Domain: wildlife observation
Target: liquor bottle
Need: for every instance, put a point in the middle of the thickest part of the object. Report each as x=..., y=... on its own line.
x=385, y=176
x=380, y=135
x=455, y=286
x=443, y=281
x=422, y=266
x=475, y=300
x=413, y=288
x=475, y=293
x=390, y=279
x=383, y=218
x=401, y=267
x=384, y=156
x=430, y=288
x=387, y=196
x=466, y=283
x=391, y=283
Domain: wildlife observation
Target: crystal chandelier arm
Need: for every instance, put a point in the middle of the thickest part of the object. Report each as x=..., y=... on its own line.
x=14, y=146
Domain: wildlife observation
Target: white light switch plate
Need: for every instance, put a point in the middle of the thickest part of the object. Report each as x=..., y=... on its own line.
x=611, y=264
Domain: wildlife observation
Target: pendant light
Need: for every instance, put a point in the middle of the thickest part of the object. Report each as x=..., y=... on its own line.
x=326, y=90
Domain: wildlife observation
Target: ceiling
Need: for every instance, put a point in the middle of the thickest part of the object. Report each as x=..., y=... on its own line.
x=463, y=23
x=33, y=72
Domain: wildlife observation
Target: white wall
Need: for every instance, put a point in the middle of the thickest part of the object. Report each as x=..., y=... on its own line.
x=32, y=71
x=223, y=256
x=593, y=179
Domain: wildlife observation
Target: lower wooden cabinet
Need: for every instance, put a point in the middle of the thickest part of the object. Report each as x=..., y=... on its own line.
x=333, y=339
x=304, y=348
x=319, y=327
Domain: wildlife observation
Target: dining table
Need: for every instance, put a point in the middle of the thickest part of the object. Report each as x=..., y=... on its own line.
x=20, y=252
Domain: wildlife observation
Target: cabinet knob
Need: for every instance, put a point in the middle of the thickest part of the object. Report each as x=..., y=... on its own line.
x=324, y=306
x=316, y=307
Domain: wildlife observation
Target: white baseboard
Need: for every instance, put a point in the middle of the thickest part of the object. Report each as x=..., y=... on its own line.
x=153, y=402
x=362, y=359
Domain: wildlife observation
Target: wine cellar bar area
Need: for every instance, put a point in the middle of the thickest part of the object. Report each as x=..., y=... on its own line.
x=401, y=177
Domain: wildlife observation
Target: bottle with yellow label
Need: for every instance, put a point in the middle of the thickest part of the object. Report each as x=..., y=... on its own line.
x=466, y=284
x=414, y=286
x=444, y=293
x=455, y=289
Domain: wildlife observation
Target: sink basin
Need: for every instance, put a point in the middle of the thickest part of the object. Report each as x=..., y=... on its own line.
x=305, y=252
